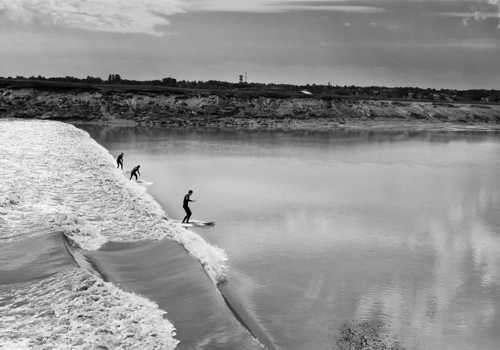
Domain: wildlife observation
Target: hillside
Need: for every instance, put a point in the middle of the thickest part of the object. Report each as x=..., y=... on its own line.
x=175, y=107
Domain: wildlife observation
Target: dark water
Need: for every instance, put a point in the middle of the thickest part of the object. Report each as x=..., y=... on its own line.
x=164, y=272
x=327, y=228
x=34, y=258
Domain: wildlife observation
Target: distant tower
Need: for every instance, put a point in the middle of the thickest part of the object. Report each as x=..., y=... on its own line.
x=245, y=77
x=241, y=79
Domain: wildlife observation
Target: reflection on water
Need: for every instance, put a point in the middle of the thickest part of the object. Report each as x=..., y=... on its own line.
x=323, y=228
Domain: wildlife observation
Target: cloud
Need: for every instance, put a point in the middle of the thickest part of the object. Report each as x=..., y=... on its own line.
x=467, y=15
x=146, y=16
x=120, y=16
x=481, y=11
x=276, y=6
x=477, y=44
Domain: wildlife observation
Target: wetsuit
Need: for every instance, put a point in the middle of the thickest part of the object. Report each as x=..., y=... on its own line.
x=119, y=161
x=186, y=208
x=133, y=173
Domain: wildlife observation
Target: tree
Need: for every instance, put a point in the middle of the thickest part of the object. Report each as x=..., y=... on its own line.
x=114, y=79
x=169, y=82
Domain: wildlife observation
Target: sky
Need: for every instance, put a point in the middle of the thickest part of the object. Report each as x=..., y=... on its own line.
x=451, y=44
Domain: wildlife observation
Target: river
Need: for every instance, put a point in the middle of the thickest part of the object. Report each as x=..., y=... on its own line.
x=322, y=229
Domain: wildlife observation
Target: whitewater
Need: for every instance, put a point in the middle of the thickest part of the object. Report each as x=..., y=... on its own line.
x=58, y=185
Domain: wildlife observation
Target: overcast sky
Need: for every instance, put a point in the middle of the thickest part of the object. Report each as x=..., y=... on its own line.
x=433, y=43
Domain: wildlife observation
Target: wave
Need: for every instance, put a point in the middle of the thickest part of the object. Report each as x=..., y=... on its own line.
x=78, y=240
x=73, y=309
x=162, y=272
x=165, y=273
x=32, y=259
x=55, y=177
x=47, y=301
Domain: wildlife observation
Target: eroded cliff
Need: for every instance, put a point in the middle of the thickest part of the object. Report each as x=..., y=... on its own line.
x=232, y=110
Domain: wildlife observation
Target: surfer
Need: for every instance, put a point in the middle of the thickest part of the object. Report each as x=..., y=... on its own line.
x=185, y=203
x=134, y=172
x=119, y=160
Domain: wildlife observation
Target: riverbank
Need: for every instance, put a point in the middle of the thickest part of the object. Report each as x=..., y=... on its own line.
x=233, y=110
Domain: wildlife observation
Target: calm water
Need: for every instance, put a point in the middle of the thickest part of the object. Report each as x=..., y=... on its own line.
x=327, y=228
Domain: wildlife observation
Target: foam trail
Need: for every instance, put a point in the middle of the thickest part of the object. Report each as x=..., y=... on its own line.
x=75, y=310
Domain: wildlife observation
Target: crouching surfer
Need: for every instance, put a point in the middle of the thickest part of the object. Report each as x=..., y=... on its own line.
x=134, y=172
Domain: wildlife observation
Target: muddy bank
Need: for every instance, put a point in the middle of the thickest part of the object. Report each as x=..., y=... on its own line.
x=231, y=110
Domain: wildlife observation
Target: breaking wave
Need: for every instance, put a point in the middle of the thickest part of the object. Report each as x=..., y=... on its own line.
x=55, y=177
x=73, y=309
x=57, y=182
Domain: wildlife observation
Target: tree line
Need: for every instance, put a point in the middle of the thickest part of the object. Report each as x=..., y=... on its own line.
x=333, y=90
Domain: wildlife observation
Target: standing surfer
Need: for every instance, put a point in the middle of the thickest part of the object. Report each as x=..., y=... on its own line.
x=119, y=160
x=185, y=203
x=134, y=172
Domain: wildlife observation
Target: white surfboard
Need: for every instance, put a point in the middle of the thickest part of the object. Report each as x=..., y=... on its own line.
x=144, y=182
x=196, y=223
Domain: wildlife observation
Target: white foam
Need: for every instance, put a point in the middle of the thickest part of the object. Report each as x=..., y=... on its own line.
x=54, y=176
x=75, y=310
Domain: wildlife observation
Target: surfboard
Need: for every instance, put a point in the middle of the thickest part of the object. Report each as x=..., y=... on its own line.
x=143, y=182
x=196, y=223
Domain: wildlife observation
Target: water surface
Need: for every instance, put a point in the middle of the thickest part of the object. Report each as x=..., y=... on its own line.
x=326, y=228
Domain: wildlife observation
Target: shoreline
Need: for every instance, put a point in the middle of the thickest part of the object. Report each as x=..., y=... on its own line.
x=242, y=112
x=309, y=127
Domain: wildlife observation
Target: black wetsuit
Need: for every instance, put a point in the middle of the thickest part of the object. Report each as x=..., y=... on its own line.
x=186, y=208
x=133, y=173
x=119, y=161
